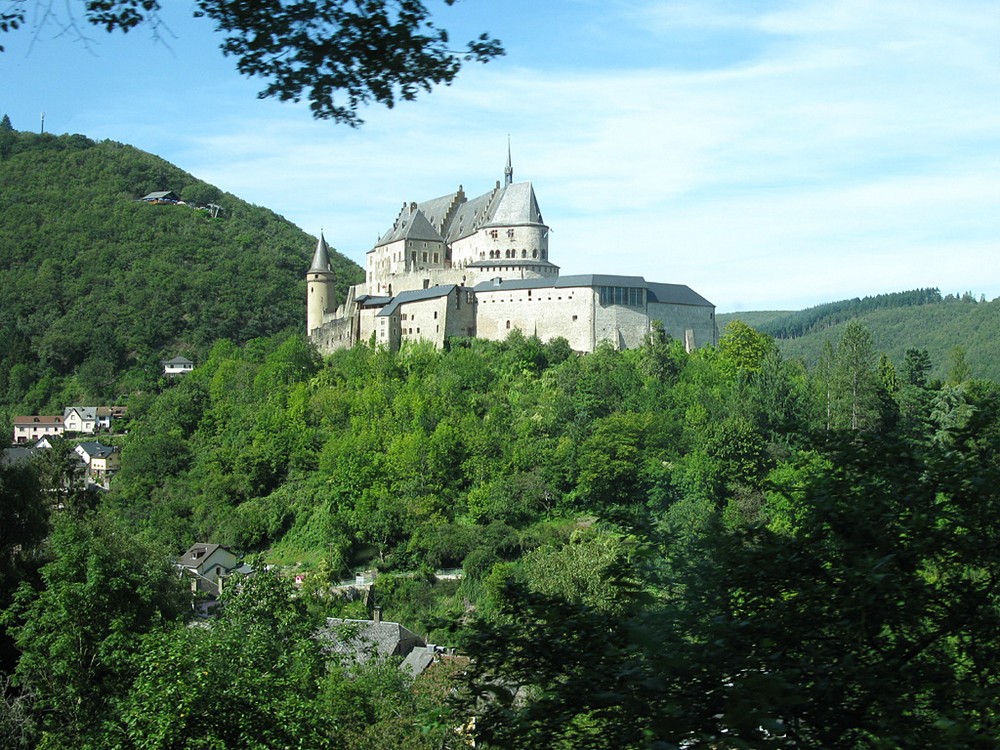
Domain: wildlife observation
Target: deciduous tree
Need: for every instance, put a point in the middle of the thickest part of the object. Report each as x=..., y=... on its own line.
x=338, y=54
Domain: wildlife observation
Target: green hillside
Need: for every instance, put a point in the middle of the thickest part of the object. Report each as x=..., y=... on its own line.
x=98, y=284
x=939, y=325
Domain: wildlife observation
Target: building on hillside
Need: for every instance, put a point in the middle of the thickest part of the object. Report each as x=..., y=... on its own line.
x=103, y=461
x=177, y=366
x=480, y=268
x=161, y=196
x=208, y=566
x=80, y=419
x=30, y=428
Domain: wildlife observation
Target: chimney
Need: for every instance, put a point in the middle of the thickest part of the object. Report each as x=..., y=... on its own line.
x=376, y=614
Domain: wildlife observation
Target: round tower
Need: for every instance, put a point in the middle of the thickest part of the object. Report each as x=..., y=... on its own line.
x=321, y=293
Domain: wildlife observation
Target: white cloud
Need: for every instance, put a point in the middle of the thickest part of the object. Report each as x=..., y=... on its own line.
x=851, y=151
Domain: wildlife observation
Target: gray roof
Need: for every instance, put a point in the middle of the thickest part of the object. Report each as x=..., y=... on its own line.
x=673, y=294
x=415, y=295
x=372, y=300
x=197, y=553
x=677, y=294
x=178, y=361
x=453, y=216
x=15, y=456
x=517, y=206
x=412, y=224
x=418, y=660
x=87, y=413
x=161, y=195
x=321, y=258
x=95, y=449
x=360, y=639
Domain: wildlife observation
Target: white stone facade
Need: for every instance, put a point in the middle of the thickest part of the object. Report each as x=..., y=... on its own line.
x=458, y=267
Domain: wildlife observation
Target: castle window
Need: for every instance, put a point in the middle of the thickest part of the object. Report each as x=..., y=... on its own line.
x=508, y=325
x=574, y=318
x=534, y=253
x=425, y=257
x=524, y=253
x=435, y=257
x=435, y=315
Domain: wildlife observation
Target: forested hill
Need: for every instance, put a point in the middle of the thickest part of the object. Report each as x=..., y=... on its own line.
x=98, y=284
x=917, y=319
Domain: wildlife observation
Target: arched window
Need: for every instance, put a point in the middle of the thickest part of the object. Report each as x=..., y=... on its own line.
x=508, y=325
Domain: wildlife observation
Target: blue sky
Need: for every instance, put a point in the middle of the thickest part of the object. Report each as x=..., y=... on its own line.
x=771, y=155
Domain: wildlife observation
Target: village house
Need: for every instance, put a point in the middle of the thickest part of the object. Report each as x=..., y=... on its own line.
x=208, y=566
x=103, y=461
x=360, y=640
x=30, y=428
x=177, y=366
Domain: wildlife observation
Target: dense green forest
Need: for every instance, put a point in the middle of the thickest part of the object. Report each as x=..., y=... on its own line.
x=898, y=321
x=745, y=546
x=99, y=287
x=717, y=549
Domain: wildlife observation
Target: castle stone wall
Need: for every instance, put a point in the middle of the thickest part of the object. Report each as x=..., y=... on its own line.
x=679, y=319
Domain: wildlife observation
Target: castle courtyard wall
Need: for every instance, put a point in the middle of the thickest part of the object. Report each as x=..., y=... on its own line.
x=546, y=312
x=678, y=320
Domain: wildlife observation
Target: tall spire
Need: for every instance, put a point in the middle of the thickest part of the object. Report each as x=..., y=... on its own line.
x=508, y=172
x=321, y=258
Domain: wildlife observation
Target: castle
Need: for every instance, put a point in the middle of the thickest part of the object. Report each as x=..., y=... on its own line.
x=459, y=267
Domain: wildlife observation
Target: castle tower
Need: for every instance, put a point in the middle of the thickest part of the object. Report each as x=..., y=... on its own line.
x=320, y=287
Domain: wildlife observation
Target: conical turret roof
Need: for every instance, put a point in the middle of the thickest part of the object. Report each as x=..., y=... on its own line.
x=321, y=258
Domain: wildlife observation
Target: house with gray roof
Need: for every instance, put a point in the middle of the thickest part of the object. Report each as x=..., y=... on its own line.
x=207, y=566
x=460, y=267
x=358, y=641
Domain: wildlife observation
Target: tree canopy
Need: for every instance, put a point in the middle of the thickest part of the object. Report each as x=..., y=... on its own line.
x=338, y=54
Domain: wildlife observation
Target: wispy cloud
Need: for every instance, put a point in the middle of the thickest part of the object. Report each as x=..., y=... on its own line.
x=769, y=154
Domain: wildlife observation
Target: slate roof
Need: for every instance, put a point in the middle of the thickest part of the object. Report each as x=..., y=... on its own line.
x=197, y=554
x=673, y=294
x=87, y=413
x=677, y=294
x=161, y=195
x=451, y=217
x=178, y=361
x=95, y=449
x=15, y=456
x=371, y=300
x=411, y=225
x=415, y=295
x=359, y=639
x=517, y=206
x=321, y=258
x=418, y=660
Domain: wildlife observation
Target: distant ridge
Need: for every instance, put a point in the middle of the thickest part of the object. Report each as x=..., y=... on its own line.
x=917, y=319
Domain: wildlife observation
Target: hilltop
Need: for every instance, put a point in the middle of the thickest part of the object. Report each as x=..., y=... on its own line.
x=918, y=319
x=98, y=284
